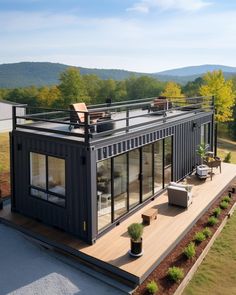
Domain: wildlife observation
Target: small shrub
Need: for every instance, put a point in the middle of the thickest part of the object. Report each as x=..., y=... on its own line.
x=217, y=212
x=212, y=220
x=226, y=199
x=190, y=250
x=135, y=231
x=199, y=237
x=227, y=158
x=175, y=273
x=152, y=287
x=224, y=205
x=207, y=232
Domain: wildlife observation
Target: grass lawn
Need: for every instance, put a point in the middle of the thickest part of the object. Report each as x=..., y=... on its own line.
x=217, y=273
x=4, y=152
x=225, y=146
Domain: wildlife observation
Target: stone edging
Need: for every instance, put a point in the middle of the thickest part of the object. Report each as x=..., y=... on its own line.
x=194, y=268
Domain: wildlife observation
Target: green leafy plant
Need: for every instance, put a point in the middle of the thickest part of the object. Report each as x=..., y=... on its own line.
x=199, y=237
x=228, y=157
x=201, y=151
x=190, y=250
x=226, y=199
x=152, y=287
x=175, y=273
x=212, y=220
x=216, y=212
x=135, y=231
x=207, y=232
x=224, y=205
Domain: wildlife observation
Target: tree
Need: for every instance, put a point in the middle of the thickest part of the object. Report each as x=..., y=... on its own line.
x=172, y=89
x=142, y=87
x=48, y=95
x=92, y=84
x=72, y=88
x=192, y=87
x=215, y=84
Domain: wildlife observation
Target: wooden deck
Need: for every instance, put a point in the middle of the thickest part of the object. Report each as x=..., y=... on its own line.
x=110, y=252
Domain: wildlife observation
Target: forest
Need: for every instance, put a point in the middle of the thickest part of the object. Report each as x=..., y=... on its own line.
x=74, y=87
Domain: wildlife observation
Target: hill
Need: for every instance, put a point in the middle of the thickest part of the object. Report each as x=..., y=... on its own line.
x=196, y=70
x=44, y=73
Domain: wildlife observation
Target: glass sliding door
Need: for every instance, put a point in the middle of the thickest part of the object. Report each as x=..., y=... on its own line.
x=120, y=185
x=147, y=171
x=158, y=166
x=167, y=160
x=104, y=193
x=134, y=182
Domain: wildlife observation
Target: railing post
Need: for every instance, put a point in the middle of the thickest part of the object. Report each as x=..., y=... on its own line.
x=127, y=120
x=86, y=127
x=13, y=117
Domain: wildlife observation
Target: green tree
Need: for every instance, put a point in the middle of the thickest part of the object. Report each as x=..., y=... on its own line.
x=142, y=87
x=92, y=84
x=192, y=87
x=215, y=84
x=72, y=88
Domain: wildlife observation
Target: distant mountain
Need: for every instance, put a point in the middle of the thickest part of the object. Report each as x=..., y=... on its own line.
x=44, y=73
x=196, y=70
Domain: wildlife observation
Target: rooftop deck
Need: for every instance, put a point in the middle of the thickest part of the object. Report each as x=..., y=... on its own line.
x=126, y=117
x=110, y=252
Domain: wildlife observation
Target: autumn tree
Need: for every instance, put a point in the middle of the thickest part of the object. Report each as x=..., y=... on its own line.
x=48, y=95
x=172, y=89
x=215, y=84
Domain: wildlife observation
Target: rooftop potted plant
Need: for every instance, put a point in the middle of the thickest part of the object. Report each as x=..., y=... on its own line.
x=135, y=231
x=202, y=170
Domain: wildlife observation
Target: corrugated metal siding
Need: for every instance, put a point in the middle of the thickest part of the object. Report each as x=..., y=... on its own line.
x=186, y=141
x=81, y=170
x=70, y=218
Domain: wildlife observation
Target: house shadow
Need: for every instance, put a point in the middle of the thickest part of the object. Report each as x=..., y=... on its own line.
x=168, y=210
x=122, y=260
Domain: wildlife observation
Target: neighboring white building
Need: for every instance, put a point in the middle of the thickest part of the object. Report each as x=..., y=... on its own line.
x=6, y=114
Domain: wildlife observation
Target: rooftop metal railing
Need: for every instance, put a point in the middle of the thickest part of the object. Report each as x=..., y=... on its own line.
x=133, y=116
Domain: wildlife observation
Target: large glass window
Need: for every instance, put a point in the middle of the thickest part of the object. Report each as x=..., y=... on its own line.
x=158, y=165
x=147, y=171
x=134, y=182
x=120, y=186
x=167, y=160
x=47, y=178
x=128, y=179
x=104, y=193
x=205, y=134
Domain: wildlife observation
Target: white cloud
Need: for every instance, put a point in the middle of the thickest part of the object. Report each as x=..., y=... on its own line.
x=144, y=6
x=146, y=45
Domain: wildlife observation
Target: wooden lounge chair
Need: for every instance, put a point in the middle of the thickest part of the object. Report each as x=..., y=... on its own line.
x=78, y=114
x=213, y=162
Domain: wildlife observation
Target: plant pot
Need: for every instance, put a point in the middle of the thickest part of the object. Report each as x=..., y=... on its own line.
x=202, y=171
x=136, y=248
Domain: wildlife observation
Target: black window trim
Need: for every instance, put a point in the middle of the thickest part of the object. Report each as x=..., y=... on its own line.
x=47, y=191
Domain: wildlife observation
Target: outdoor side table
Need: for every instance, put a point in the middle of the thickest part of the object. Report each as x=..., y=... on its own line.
x=149, y=215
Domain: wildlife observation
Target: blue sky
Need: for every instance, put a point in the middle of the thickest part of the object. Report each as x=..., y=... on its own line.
x=138, y=35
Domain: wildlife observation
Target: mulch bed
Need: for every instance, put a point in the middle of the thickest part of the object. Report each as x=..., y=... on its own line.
x=176, y=257
x=5, y=184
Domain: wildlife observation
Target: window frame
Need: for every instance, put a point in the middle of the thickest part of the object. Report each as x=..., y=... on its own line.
x=47, y=191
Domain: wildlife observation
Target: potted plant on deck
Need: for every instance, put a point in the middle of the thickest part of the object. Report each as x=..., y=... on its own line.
x=135, y=231
x=202, y=170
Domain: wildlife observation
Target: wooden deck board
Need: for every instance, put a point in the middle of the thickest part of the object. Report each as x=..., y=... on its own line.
x=170, y=225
